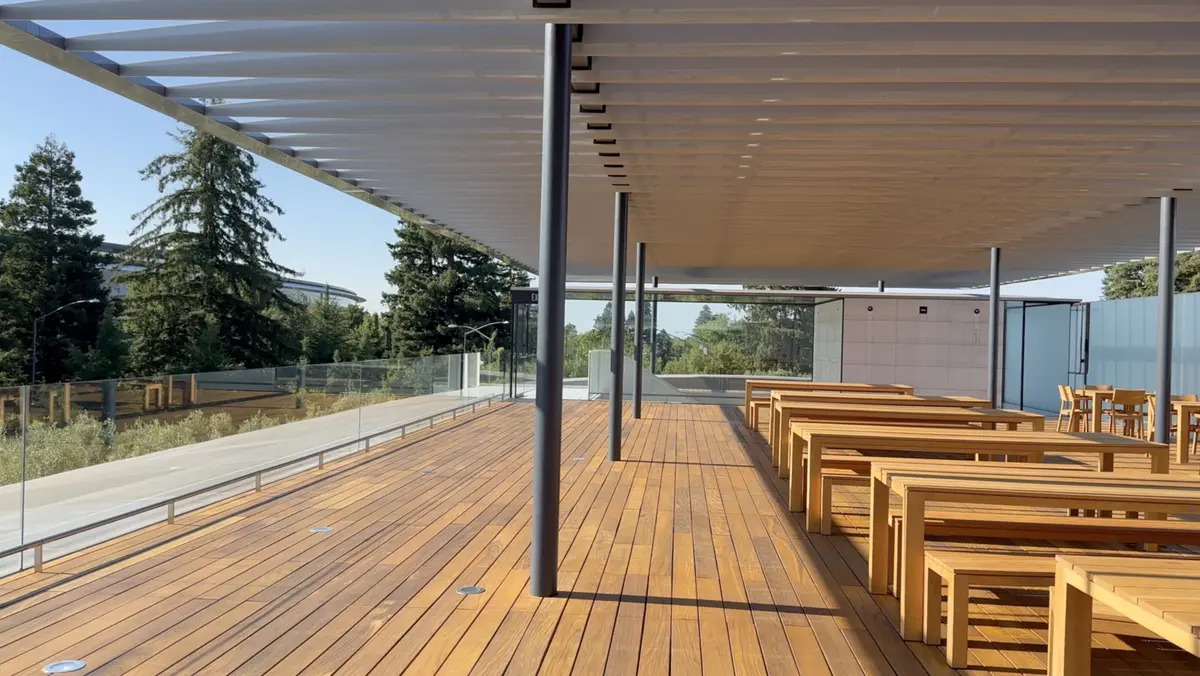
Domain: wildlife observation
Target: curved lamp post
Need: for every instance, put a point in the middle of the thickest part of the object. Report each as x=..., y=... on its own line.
x=33, y=349
x=466, y=330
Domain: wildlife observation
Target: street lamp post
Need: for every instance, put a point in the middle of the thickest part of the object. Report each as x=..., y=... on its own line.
x=33, y=349
x=467, y=330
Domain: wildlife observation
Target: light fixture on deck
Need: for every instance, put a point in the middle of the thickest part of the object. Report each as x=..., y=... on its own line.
x=321, y=529
x=63, y=667
x=471, y=590
x=427, y=471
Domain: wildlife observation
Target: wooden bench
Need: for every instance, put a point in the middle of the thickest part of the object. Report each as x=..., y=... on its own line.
x=752, y=414
x=962, y=570
x=1016, y=526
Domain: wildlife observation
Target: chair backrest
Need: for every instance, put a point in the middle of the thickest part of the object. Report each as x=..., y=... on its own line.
x=1128, y=398
x=1100, y=387
x=1187, y=398
x=1065, y=394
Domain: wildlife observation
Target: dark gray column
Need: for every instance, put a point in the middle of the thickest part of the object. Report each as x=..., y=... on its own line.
x=639, y=327
x=616, y=393
x=654, y=327
x=881, y=286
x=1166, y=318
x=993, y=382
x=552, y=293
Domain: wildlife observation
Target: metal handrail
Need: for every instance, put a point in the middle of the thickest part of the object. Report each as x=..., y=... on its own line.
x=169, y=503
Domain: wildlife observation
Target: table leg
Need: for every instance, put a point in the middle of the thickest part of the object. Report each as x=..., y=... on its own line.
x=958, y=596
x=1160, y=463
x=749, y=390
x=1182, y=437
x=877, y=553
x=813, y=487
x=912, y=573
x=1039, y=424
x=1070, y=629
x=1097, y=411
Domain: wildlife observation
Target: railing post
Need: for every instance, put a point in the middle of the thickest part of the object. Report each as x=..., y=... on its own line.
x=37, y=559
x=170, y=512
x=321, y=460
x=258, y=482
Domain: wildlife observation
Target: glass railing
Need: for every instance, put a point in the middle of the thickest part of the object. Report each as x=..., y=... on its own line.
x=77, y=454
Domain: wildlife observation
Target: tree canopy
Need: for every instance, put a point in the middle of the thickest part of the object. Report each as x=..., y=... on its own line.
x=48, y=258
x=1140, y=278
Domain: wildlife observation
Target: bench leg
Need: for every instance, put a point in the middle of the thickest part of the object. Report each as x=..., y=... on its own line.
x=897, y=560
x=933, y=607
x=826, y=508
x=958, y=600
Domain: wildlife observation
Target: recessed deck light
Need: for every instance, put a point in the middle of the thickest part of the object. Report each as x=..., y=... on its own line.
x=63, y=667
x=751, y=145
x=779, y=79
x=770, y=100
x=471, y=590
x=763, y=119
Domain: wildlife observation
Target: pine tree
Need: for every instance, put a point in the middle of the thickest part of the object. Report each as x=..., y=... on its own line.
x=439, y=282
x=109, y=357
x=326, y=331
x=204, y=265
x=368, y=340
x=48, y=258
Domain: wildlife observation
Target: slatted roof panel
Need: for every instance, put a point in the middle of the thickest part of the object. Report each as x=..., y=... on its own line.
x=764, y=141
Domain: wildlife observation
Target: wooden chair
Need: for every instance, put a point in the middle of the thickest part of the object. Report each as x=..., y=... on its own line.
x=1152, y=411
x=1128, y=407
x=1075, y=408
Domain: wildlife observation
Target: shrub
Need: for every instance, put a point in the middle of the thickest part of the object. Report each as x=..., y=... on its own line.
x=258, y=422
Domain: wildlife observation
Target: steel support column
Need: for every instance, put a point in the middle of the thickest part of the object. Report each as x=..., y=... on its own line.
x=654, y=327
x=639, y=327
x=1166, y=318
x=616, y=393
x=993, y=362
x=552, y=293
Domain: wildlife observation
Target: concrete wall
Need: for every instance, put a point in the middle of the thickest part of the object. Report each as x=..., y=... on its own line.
x=940, y=350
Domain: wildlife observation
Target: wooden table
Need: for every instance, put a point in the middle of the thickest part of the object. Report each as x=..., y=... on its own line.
x=1160, y=593
x=809, y=386
x=1030, y=446
x=1184, y=410
x=1098, y=398
x=948, y=481
x=783, y=412
x=876, y=399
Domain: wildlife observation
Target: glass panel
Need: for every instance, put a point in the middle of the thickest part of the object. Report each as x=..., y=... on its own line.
x=100, y=449
x=11, y=431
x=1014, y=353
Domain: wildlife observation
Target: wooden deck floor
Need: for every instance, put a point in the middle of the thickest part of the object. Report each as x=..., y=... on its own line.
x=680, y=560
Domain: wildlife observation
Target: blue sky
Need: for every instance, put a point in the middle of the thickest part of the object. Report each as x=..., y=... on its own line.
x=331, y=237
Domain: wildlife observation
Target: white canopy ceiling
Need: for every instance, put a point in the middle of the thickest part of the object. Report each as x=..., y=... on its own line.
x=764, y=141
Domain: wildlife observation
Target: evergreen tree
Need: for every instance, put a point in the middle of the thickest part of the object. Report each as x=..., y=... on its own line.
x=206, y=280
x=326, y=331
x=109, y=357
x=368, y=340
x=48, y=258
x=440, y=281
